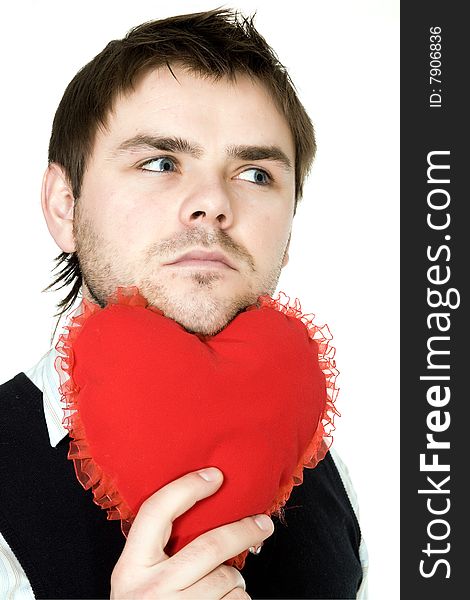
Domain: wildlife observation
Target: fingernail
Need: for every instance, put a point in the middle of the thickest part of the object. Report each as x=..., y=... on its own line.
x=209, y=474
x=263, y=522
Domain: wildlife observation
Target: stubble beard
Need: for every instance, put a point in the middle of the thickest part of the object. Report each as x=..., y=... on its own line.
x=199, y=310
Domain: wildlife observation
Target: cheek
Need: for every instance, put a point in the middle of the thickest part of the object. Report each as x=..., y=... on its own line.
x=268, y=241
x=123, y=217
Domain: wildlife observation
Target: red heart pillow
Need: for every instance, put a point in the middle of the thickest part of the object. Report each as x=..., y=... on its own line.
x=147, y=402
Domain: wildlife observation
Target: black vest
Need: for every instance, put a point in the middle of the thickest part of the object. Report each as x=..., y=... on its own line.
x=68, y=548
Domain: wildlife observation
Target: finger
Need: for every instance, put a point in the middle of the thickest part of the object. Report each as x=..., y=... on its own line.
x=216, y=584
x=152, y=526
x=236, y=594
x=211, y=549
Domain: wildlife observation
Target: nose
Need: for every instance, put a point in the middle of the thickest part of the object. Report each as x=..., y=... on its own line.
x=209, y=204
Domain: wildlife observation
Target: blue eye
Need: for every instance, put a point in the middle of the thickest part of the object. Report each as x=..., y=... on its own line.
x=260, y=177
x=164, y=163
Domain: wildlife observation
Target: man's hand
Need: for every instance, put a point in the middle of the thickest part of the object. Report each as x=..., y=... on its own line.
x=144, y=571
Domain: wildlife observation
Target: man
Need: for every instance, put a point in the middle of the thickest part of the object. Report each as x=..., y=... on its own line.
x=176, y=162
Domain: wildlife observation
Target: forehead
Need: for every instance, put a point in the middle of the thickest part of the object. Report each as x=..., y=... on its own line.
x=213, y=112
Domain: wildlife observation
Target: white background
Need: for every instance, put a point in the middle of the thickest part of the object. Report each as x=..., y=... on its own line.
x=343, y=57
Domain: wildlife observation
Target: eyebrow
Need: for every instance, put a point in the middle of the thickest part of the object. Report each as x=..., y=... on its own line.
x=176, y=144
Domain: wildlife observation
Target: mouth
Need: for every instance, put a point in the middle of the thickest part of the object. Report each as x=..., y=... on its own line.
x=202, y=260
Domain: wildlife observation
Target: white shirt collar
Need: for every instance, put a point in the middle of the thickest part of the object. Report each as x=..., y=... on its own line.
x=46, y=378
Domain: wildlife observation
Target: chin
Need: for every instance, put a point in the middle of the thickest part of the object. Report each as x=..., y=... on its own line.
x=203, y=323
x=203, y=309
x=205, y=316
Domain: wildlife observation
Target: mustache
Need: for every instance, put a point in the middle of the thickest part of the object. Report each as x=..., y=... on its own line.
x=200, y=236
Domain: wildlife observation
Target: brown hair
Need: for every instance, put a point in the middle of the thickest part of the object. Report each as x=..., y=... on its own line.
x=217, y=43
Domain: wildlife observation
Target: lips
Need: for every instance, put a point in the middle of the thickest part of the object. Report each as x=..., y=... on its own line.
x=204, y=257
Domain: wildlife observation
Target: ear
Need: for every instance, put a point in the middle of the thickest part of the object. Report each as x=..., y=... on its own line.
x=285, y=258
x=57, y=203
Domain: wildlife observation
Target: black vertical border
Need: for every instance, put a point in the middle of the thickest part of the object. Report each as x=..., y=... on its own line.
x=423, y=130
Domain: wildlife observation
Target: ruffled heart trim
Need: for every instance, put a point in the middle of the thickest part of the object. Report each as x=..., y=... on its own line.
x=89, y=473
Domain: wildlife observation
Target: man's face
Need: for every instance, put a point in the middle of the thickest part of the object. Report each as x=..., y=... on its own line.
x=188, y=166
